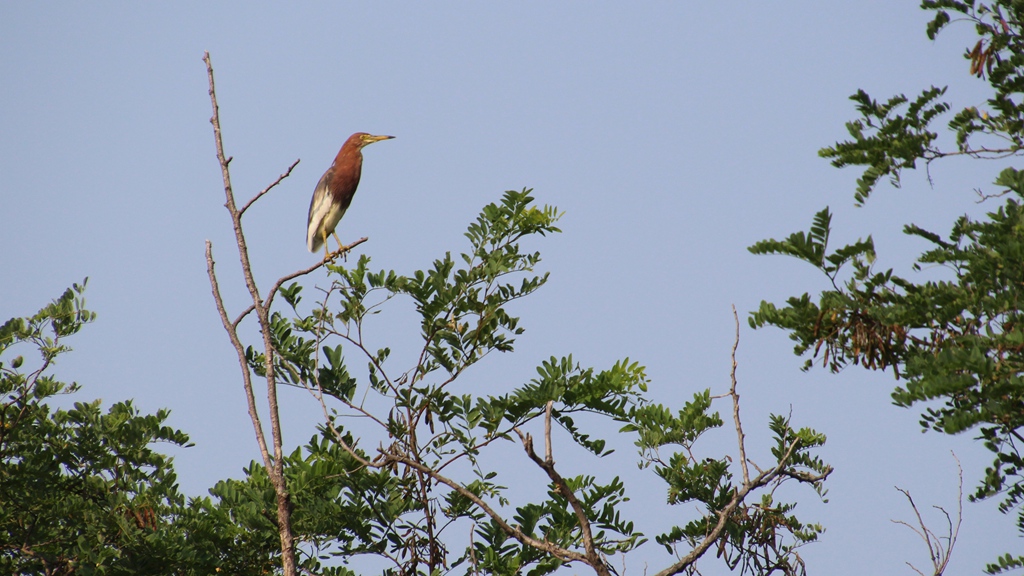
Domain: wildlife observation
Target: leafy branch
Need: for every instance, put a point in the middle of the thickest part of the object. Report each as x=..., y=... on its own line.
x=955, y=343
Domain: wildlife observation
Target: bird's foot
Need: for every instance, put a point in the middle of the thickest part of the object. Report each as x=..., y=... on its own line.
x=341, y=251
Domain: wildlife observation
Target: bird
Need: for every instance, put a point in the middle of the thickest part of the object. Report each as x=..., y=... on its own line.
x=333, y=194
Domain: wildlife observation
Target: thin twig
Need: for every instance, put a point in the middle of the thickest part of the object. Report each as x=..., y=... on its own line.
x=938, y=554
x=548, y=455
x=924, y=532
x=267, y=189
x=954, y=532
x=736, y=401
x=250, y=398
x=983, y=197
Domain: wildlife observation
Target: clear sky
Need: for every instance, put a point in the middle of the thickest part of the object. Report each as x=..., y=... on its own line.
x=672, y=134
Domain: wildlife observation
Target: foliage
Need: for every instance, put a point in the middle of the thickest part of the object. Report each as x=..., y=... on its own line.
x=78, y=488
x=426, y=474
x=82, y=491
x=960, y=340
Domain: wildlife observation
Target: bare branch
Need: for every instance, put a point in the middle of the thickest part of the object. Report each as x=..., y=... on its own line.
x=983, y=197
x=267, y=189
x=924, y=533
x=276, y=470
x=243, y=363
x=955, y=532
x=938, y=554
x=548, y=454
x=736, y=401
x=277, y=285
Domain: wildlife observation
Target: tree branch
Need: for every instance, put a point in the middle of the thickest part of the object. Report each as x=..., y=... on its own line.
x=938, y=555
x=548, y=453
x=762, y=479
x=277, y=285
x=593, y=558
x=542, y=545
x=736, y=401
x=275, y=472
x=286, y=174
x=243, y=363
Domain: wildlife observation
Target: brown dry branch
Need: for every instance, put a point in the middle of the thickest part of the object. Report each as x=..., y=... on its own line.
x=284, y=175
x=736, y=401
x=938, y=553
x=982, y=196
x=274, y=463
x=240, y=351
x=287, y=278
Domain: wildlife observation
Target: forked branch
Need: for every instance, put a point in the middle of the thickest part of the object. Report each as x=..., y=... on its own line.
x=275, y=464
x=547, y=464
x=289, y=277
x=938, y=553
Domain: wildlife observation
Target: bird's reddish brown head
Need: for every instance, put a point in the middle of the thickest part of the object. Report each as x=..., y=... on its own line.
x=343, y=176
x=361, y=139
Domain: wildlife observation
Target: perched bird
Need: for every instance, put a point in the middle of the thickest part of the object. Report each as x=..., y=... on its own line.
x=334, y=192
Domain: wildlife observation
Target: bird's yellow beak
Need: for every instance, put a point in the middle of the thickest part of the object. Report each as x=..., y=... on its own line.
x=369, y=139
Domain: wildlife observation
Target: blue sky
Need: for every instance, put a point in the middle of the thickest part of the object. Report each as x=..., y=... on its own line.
x=673, y=135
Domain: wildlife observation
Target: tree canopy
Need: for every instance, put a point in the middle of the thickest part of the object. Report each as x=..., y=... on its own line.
x=958, y=340
x=399, y=477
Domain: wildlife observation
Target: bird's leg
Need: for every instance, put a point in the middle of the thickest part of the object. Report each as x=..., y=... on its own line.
x=327, y=251
x=341, y=247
